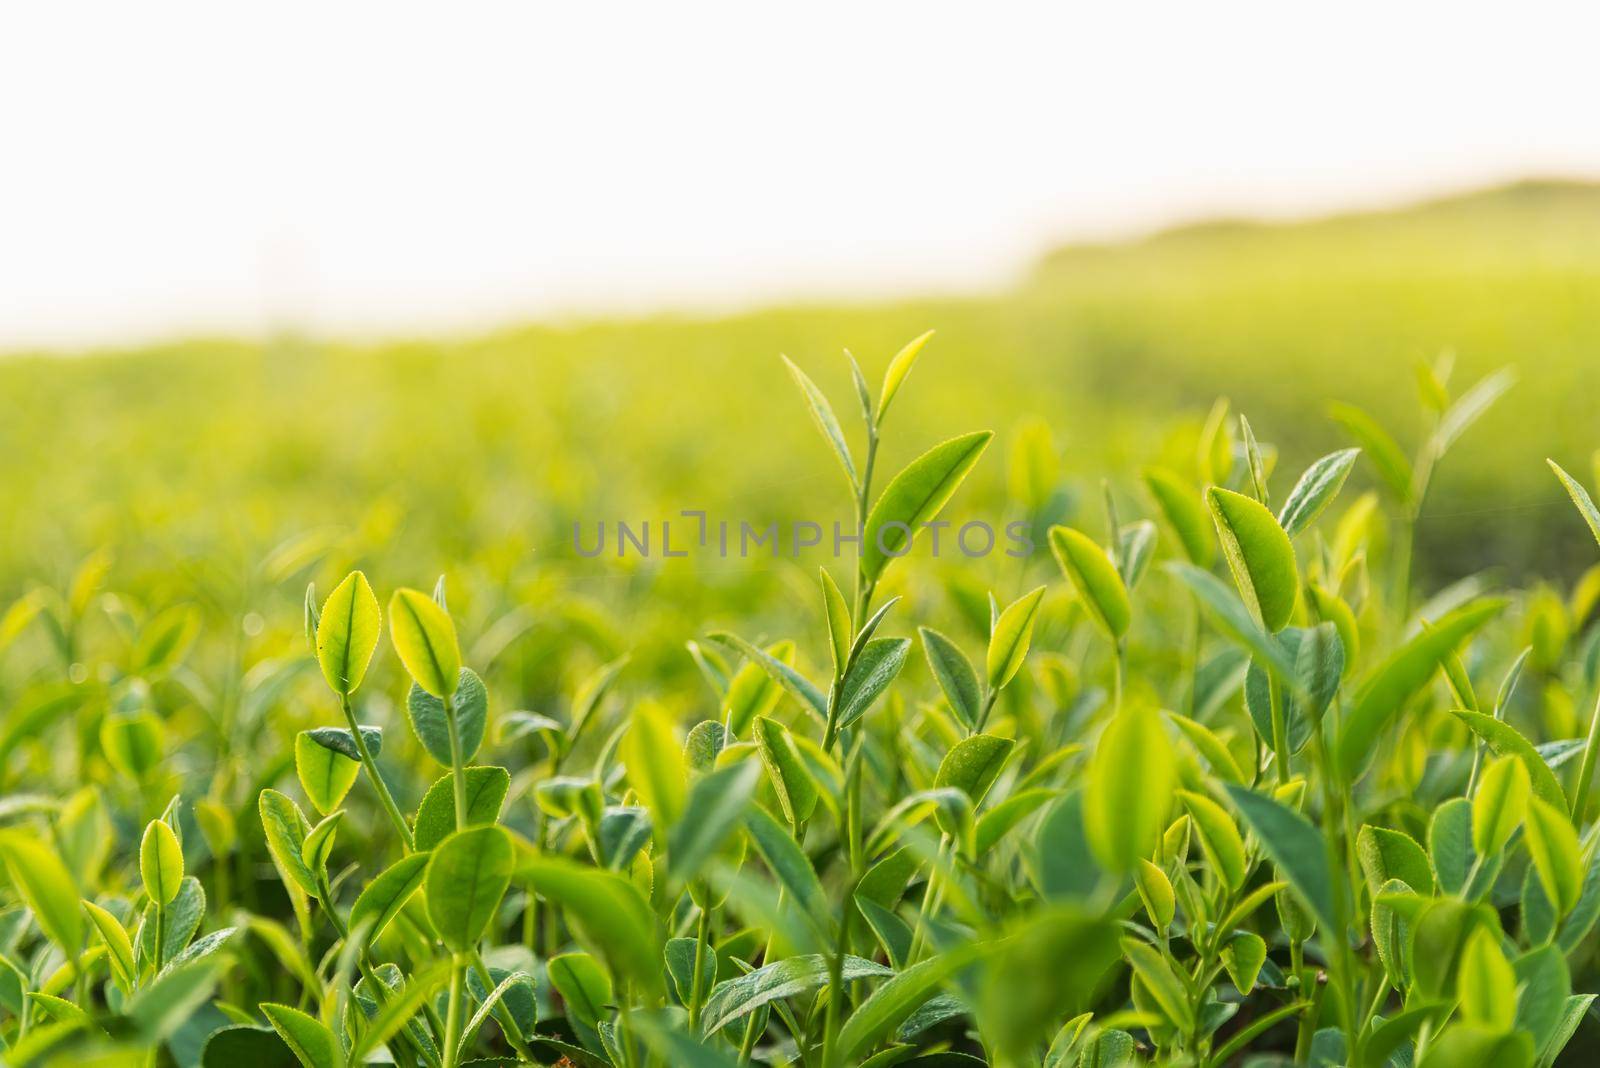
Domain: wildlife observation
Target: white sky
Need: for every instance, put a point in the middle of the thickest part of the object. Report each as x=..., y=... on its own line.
x=378, y=168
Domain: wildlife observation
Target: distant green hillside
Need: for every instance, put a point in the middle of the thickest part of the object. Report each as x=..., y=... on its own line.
x=500, y=442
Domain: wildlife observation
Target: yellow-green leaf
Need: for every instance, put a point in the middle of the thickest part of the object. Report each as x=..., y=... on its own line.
x=1009, y=640
x=1219, y=837
x=1095, y=579
x=898, y=369
x=1486, y=984
x=425, y=640
x=467, y=875
x=914, y=497
x=1499, y=804
x=1259, y=554
x=160, y=862
x=653, y=754
x=325, y=774
x=1181, y=506
x=347, y=633
x=840, y=631
x=1129, y=789
x=46, y=886
x=1553, y=845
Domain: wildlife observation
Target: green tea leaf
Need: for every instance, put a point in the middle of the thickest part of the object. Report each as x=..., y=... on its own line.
x=119, y=949
x=347, y=633
x=1439, y=938
x=384, y=897
x=1219, y=838
x=469, y=704
x=583, y=986
x=246, y=1047
x=1243, y=954
x=1155, y=891
x=399, y=1008
x=1008, y=643
x=783, y=674
x=308, y=1037
x=1295, y=847
x=1580, y=497
x=653, y=756
x=1471, y=406
x=467, y=875
x=325, y=773
x=898, y=369
x=1226, y=608
x=1387, y=854
x=827, y=422
x=1387, y=458
x=973, y=764
x=486, y=789
x=840, y=629
x=1499, y=804
x=1399, y=678
x=1259, y=555
x=1543, y=984
x=1164, y=985
x=1095, y=578
x=425, y=640
x=1208, y=745
x=285, y=828
x=1129, y=788
x=160, y=862
x=1075, y=948
x=791, y=779
x=897, y=998
x=954, y=673
x=1553, y=845
x=874, y=669
x=914, y=497
x=1182, y=506
x=715, y=807
x=1486, y=987
x=737, y=998
x=609, y=913
x=1317, y=488
x=1506, y=741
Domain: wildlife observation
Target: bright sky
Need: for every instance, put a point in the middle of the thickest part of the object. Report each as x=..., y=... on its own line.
x=383, y=167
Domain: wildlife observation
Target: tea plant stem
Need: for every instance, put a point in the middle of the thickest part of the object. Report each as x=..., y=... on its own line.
x=928, y=891
x=830, y=1026
x=371, y=766
x=1421, y=476
x=983, y=713
x=452, y=1023
x=367, y=966
x=1340, y=959
x=1580, y=799
x=852, y=810
x=161, y=935
x=1280, y=729
x=747, y=1044
x=458, y=774
x=864, y=587
x=702, y=936
x=1121, y=672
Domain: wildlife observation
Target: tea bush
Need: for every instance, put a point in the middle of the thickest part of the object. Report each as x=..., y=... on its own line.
x=1212, y=782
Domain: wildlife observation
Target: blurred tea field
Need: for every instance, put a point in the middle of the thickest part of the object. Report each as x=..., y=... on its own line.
x=454, y=446
x=194, y=462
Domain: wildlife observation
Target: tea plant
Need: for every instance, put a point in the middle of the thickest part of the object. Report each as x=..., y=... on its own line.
x=1153, y=803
